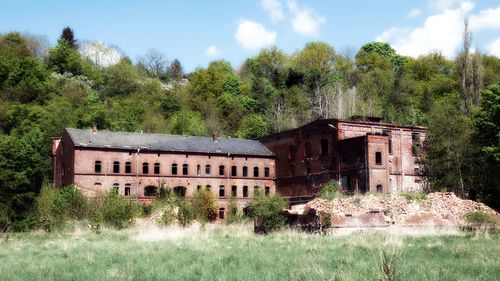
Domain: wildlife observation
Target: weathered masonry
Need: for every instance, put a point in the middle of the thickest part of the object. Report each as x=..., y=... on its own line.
x=362, y=156
x=138, y=164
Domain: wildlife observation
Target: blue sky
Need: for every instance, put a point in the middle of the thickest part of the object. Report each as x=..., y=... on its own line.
x=197, y=32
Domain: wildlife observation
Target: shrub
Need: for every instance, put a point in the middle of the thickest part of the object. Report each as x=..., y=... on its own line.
x=233, y=215
x=268, y=212
x=331, y=191
x=185, y=213
x=116, y=210
x=49, y=214
x=413, y=196
x=204, y=205
x=72, y=202
x=479, y=218
x=169, y=215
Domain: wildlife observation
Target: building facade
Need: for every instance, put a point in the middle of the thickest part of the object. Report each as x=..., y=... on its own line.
x=137, y=165
x=362, y=156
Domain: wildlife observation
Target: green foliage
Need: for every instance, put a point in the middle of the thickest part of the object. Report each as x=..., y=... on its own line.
x=49, y=214
x=413, y=196
x=116, y=210
x=185, y=213
x=63, y=58
x=186, y=122
x=233, y=216
x=268, y=212
x=73, y=203
x=253, y=126
x=204, y=205
x=331, y=191
x=480, y=218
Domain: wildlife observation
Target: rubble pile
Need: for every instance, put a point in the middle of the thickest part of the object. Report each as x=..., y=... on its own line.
x=440, y=208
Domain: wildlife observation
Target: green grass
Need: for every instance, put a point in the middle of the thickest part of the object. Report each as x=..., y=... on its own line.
x=235, y=253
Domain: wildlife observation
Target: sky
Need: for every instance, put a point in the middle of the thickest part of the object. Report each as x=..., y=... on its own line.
x=197, y=32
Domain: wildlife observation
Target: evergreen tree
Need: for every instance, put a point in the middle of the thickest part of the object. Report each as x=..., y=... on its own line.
x=68, y=35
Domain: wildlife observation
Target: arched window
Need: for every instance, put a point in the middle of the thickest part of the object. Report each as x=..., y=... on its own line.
x=198, y=170
x=98, y=166
x=150, y=190
x=157, y=168
x=116, y=167
x=185, y=169
x=256, y=172
x=324, y=147
x=255, y=191
x=245, y=191
x=267, y=191
x=379, y=188
x=234, y=191
x=292, y=152
x=266, y=172
x=221, y=170
x=128, y=167
x=116, y=187
x=127, y=189
x=245, y=171
x=208, y=170
x=378, y=158
x=174, y=169
x=221, y=213
x=180, y=191
x=233, y=171
x=222, y=192
x=145, y=168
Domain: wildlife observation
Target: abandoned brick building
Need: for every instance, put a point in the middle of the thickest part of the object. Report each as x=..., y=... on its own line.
x=138, y=164
x=361, y=155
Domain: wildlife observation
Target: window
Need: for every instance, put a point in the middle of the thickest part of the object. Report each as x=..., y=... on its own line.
x=97, y=167
x=266, y=172
x=221, y=213
x=116, y=167
x=145, y=168
x=378, y=158
x=222, y=192
x=157, y=168
x=208, y=187
x=245, y=171
x=308, y=149
x=255, y=191
x=324, y=147
x=379, y=188
x=267, y=191
x=208, y=169
x=233, y=171
x=127, y=189
x=234, y=192
x=308, y=167
x=116, y=187
x=256, y=172
x=415, y=139
x=150, y=190
x=185, y=169
x=245, y=191
x=128, y=167
x=292, y=170
x=174, y=169
x=198, y=170
x=180, y=191
x=389, y=134
x=198, y=187
x=292, y=152
x=221, y=170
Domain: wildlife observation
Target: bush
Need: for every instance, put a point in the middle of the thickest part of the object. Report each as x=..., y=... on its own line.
x=479, y=218
x=268, y=212
x=169, y=215
x=116, y=210
x=331, y=191
x=49, y=214
x=72, y=202
x=204, y=205
x=413, y=195
x=185, y=213
x=233, y=216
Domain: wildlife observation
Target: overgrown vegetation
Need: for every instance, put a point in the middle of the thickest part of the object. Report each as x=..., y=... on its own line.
x=413, y=195
x=331, y=191
x=267, y=212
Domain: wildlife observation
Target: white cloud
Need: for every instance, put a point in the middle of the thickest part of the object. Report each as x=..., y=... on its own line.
x=253, y=35
x=414, y=13
x=212, y=51
x=100, y=53
x=441, y=5
x=305, y=20
x=494, y=47
x=489, y=18
x=274, y=8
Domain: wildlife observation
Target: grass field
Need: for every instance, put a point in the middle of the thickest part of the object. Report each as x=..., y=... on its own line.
x=235, y=253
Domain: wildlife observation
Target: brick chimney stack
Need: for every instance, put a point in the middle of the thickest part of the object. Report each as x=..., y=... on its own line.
x=215, y=137
x=94, y=129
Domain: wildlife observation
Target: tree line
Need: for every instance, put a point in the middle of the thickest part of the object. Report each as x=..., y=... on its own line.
x=46, y=89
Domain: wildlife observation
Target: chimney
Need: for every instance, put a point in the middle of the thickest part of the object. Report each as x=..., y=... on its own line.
x=94, y=129
x=215, y=137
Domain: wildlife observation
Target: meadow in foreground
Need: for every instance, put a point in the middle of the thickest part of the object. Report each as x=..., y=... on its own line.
x=235, y=253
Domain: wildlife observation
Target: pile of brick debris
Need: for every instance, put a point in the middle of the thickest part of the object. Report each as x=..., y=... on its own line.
x=440, y=208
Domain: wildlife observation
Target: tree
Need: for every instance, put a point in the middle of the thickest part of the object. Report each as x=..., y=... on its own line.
x=68, y=35
x=122, y=79
x=13, y=45
x=253, y=126
x=63, y=58
x=175, y=70
x=316, y=62
x=267, y=211
x=154, y=63
x=186, y=122
x=378, y=54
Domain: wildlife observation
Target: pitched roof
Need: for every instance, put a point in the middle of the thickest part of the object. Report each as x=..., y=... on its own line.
x=166, y=142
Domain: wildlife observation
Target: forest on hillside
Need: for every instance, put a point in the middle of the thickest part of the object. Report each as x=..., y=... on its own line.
x=44, y=89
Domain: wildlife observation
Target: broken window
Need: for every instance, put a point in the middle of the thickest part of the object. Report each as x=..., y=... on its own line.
x=208, y=187
x=245, y=171
x=128, y=167
x=256, y=191
x=145, y=168
x=116, y=187
x=324, y=147
x=221, y=170
x=266, y=172
x=379, y=188
x=208, y=169
x=198, y=170
x=180, y=191
x=221, y=213
x=234, y=191
x=233, y=171
x=150, y=190
x=256, y=172
x=185, y=169
x=245, y=191
x=389, y=134
x=222, y=192
x=267, y=191
x=127, y=189
x=116, y=167
x=174, y=169
x=378, y=158
x=346, y=182
x=156, y=168
x=97, y=166
x=415, y=139
x=198, y=187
